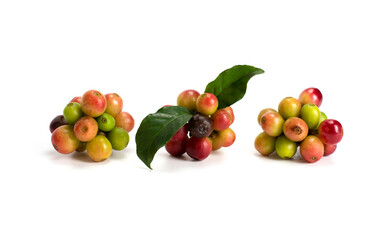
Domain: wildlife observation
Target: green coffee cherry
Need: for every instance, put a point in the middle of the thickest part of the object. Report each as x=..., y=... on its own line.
x=285, y=148
x=310, y=113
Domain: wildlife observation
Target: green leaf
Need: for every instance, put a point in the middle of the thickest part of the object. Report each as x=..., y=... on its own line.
x=157, y=129
x=230, y=86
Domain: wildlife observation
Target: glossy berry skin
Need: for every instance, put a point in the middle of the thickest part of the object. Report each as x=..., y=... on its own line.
x=93, y=103
x=285, y=148
x=207, y=103
x=329, y=149
x=272, y=123
x=231, y=112
x=72, y=112
x=125, y=120
x=99, y=148
x=176, y=148
x=64, y=140
x=261, y=113
x=311, y=95
x=114, y=104
x=225, y=138
x=77, y=99
x=106, y=122
x=200, y=126
x=295, y=129
x=198, y=148
x=57, y=122
x=181, y=134
x=311, y=115
x=188, y=99
x=289, y=107
x=330, y=131
x=119, y=138
x=265, y=144
x=221, y=120
x=323, y=117
x=312, y=149
x=85, y=129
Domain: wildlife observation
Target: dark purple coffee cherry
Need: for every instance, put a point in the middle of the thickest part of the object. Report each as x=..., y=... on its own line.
x=200, y=126
x=57, y=122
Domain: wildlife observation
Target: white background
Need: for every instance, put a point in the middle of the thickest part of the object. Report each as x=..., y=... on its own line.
x=150, y=51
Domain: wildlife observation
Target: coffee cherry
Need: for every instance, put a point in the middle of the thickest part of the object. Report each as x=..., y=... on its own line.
x=198, y=148
x=106, y=122
x=207, y=103
x=230, y=111
x=285, y=148
x=85, y=128
x=200, y=126
x=311, y=115
x=77, y=99
x=64, y=140
x=119, y=138
x=311, y=95
x=312, y=149
x=289, y=107
x=329, y=149
x=261, y=113
x=99, y=148
x=221, y=120
x=57, y=122
x=81, y=147
x=264, y=144
x=176, y=148
x=125, y=120
x=323, y=117
x=225, y=138
x=181, y=134
x=272, y=123
x=331, y=131
x=114, y=104
x=188, y=99
x=72, y=112
x=295, y=129
x=93, y=103
x=216, y=145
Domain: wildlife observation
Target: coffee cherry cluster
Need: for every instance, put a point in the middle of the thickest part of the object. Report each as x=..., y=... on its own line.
x=208, y=130
x=93, y=122
x=298, y=122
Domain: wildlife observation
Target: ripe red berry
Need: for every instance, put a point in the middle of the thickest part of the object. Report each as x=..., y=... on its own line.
x=176, y=148
x=231, y=112
x=331, y=131
x=198, y=148
x=329, y=149
x=221, y=119
x=311, y=95
x=181, y=134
